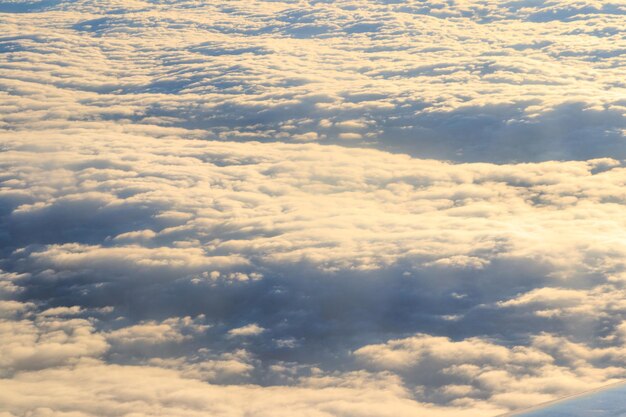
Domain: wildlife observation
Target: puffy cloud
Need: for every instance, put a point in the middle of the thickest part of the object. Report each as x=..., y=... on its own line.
x=47, y=342
x=247, y=330
x=11, y=308
x=233, y=209
x=468, y=80
x=476, y=370
x=230, y=367
x=173, y=330
x=599, y=302
x=321, y=250
x=62, y=311
x=212, y=207
x=93, y=388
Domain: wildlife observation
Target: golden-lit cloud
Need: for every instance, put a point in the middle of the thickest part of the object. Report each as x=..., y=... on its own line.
x=309, y=209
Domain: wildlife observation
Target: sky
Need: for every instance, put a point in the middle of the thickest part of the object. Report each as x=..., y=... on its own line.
x=350, y=208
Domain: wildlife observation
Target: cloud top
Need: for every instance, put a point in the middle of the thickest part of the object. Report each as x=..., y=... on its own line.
x=309, y=209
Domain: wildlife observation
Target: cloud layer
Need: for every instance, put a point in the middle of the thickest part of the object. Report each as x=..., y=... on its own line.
x=177, y=253
x=468, y=81
x=349, y=208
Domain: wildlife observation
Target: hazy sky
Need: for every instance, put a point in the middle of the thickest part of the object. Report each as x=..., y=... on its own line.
x=359, y=208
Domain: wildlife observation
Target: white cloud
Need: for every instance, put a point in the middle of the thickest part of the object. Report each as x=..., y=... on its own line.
x=47, y=342
x=230, y=219
x=252, y=329
x=174, y=170
x=172, y=330
x=228, y=367
x=62, y=311
x=584, y=304
x=285, y=204
x=12, y=308
x=93, y=388
x=465, y=80
x=472, y=370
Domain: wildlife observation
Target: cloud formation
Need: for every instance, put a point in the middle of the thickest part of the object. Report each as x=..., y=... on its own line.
x=468, y=81
x=285, y=208
x=176, y=254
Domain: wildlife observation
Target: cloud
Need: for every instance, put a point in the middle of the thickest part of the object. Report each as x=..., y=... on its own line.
x=350, y=208
x=47, y=342
x=319, y=251
x=247, y=330
x=153, y=333
x=11, y=308
x=62, y=311
x=296, y=204
x=462, y=372
x=232, y=367
x=465, y=81
x=93, y=388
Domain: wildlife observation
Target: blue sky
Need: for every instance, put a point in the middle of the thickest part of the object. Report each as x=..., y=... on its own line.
x=310, y=208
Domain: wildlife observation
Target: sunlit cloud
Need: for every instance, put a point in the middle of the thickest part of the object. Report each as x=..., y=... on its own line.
x=282, y=208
